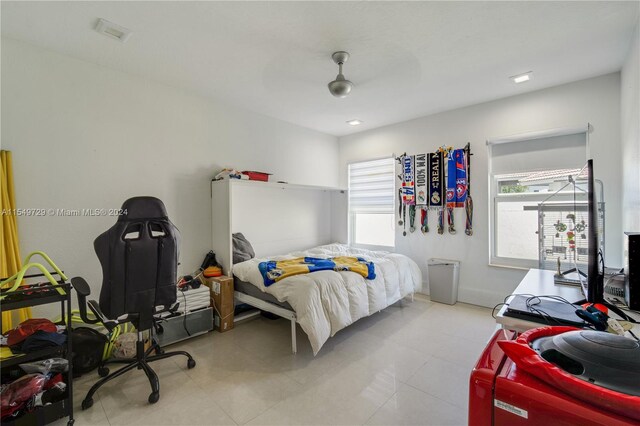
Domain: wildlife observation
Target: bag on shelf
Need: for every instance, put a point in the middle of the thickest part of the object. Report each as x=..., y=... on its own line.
x=51, y=365
x=17, y=394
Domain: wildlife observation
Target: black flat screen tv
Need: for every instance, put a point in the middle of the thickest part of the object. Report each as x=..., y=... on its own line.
x=571, y=225
x=593, y=283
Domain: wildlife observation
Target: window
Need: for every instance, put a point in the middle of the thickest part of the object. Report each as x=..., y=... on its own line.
x=524, y=172
x=371, y=203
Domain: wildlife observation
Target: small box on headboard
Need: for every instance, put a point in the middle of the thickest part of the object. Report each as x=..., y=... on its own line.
x=253, y=175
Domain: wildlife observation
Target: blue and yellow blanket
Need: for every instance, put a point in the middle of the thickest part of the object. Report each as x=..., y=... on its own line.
x=275, y=270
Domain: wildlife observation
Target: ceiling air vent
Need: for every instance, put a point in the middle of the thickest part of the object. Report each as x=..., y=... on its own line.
x=112, y=30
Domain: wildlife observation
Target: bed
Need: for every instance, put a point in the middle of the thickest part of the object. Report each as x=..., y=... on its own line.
x=325, y=302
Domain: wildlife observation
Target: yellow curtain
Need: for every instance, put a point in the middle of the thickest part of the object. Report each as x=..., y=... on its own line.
x=10, y=257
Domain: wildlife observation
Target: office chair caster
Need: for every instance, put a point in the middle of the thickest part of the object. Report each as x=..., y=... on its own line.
x=154, y=397
x=70, y=422
x=87, y=403
x=191, y=363
x=103, y=371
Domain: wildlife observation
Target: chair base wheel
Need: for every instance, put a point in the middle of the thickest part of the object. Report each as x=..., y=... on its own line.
x=103, y=371
x=87, y=403
x=71, y=422
x=191, y=363
x=154, y=397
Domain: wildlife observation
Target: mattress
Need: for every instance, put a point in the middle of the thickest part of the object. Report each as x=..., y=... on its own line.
x=326, y=301
x=252, y=290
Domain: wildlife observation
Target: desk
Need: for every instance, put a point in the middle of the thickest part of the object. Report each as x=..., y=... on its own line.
x=539, y=282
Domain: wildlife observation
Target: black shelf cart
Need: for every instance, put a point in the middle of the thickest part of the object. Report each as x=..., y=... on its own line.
x=45, y=294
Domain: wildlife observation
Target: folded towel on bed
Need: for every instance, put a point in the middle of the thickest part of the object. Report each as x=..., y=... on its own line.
x=275, y=270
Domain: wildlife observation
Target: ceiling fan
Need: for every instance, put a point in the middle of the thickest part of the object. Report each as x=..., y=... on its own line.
x=340, y=87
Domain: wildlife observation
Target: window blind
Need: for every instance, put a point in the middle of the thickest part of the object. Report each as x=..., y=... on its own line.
x=372, y=186
x=558, y=152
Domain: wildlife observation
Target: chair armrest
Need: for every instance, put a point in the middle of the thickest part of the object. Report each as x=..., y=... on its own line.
x=83, y=290
x=109, y=324
x=81, y=286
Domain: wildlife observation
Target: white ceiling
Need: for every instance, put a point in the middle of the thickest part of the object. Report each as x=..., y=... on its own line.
x=408, y=59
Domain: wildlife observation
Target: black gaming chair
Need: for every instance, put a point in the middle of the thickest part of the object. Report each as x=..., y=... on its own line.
x=139, y=258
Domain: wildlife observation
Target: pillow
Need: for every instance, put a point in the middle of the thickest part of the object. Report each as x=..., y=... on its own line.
x=242, y=250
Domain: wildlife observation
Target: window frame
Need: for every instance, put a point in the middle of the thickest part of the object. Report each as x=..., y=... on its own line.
x=508, y=262
x=351, y=215
x=494, y=198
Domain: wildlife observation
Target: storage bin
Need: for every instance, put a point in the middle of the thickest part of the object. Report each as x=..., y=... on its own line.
x=443, y=280
x=175, y=328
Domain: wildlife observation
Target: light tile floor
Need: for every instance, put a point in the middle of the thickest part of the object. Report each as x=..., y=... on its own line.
x=408, y=364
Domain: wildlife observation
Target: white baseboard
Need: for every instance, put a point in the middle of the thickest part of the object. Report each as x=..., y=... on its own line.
x=486, y=298
x=472, y=296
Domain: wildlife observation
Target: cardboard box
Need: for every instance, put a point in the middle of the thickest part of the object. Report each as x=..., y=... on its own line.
x=222, y=295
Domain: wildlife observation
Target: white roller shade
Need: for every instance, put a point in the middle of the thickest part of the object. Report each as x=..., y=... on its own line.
x=558, y=152
x=372, y=186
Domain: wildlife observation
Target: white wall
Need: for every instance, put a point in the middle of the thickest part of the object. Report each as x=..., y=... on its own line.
x=595, y=100
x=84, y=136
x=630, y=122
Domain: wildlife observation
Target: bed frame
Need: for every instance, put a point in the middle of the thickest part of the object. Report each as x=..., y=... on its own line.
x=276, y=218
x=274, y=309
x=263, y=305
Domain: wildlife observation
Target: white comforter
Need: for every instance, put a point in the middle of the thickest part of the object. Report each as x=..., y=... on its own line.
x=327, y=301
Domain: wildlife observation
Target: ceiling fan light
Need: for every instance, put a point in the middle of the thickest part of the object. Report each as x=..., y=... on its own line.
x=340, y=88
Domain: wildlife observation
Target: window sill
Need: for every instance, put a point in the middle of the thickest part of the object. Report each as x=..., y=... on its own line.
x=374, y=247
x=519, y=268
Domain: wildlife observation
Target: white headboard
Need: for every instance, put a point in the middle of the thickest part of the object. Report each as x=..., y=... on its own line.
x=275, y=218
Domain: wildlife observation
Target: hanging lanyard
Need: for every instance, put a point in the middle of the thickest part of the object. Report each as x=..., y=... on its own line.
x=452, y=228
x=404, y=220
x=424, y=220
x=412, y=217
x=440, y=221
x=400, y=221
x=468, y=205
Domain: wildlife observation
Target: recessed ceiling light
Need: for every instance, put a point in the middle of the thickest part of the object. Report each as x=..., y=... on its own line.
x=354, y=122
x=521, y=78
x=112, y=30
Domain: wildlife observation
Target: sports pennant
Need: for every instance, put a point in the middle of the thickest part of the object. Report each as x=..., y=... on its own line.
x=456, y=179
x=408, y=185
x=422, y=192
x=435, y=179
x=451, y=181
x=461, y=177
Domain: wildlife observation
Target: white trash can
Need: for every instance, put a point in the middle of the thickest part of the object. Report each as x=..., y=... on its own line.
x=443, y=280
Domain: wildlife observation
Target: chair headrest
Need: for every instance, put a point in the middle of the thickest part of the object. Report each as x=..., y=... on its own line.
x=142, y=208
